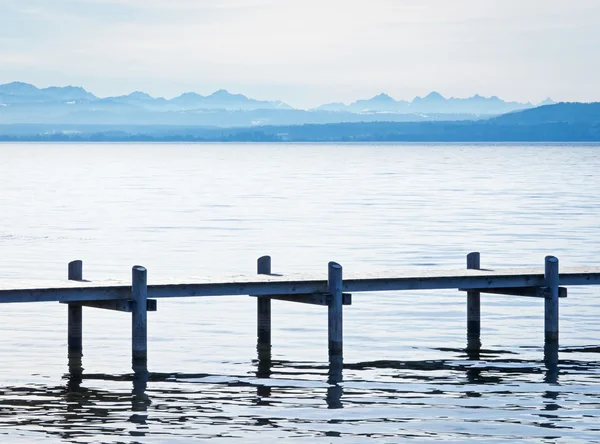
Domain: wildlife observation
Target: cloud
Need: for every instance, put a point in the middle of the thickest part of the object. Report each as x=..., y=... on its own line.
x=511, y=48
x=16, y=60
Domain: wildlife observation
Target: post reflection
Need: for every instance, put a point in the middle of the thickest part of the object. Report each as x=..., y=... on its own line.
x=75, y=371
x=473, y=345
x=335, y=390
x=551, y=363
x=473, y=352
x=263, y=371
x=139, y=399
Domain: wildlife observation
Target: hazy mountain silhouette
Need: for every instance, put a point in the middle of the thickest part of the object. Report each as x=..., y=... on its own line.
x=380, y=103
x=434, y=102
x=547, y=101
x=24, y=93
x=19, y=92
x=24, y=103
x=223, y=99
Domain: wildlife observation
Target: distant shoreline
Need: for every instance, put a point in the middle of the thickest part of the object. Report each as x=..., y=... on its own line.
x=564, y=122
x=410, y=132
x=331, y=142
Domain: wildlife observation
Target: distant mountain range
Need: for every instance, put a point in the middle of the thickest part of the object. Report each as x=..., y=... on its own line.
x=433, y=102
x=24, y=103
x=19, y=93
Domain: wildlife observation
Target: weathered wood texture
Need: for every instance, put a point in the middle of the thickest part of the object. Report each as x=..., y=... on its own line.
x=335, y=309
x=264, y=285
x=139, y=319
x=263, y=314
x=323, y=299
x=473, y=306
x=75, y=313
x=126, y=306
x=551, y=300
x=532, y=292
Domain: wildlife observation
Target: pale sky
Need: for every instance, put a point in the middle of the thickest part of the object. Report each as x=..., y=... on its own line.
x=307, y=52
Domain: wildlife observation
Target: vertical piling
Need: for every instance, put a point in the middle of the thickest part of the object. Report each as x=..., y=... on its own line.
x=139, y=319
x=473, y=307
x=263, y=314
x=75, y=316
x=75, y=332
x=551, y=278
x=334, y=284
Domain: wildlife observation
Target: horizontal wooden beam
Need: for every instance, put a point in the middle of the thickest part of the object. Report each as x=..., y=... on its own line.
x=116, y=305
x=264, y=285
x=534, y=292
x=314, y=299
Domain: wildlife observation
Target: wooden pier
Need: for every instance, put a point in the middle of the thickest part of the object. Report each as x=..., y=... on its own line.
x=138, y=296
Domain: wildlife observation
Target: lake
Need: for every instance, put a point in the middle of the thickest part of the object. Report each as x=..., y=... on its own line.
x=213, y=209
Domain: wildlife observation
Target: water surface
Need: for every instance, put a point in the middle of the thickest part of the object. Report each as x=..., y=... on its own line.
x=210, y=209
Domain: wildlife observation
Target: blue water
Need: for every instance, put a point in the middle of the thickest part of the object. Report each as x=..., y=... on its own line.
x=213, y=209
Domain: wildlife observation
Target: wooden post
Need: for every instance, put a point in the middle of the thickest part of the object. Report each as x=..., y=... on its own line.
x=139, y=319
x=263, y=314
x=335, y=318
x=551, y=278
x=75, y=332
x=75, y=316
x=473, y=308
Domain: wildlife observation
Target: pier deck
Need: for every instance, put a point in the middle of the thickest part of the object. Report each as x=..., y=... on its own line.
x=139, y=296
x=293, y=284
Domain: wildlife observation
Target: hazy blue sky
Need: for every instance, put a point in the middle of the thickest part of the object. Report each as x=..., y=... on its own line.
x=307, y=52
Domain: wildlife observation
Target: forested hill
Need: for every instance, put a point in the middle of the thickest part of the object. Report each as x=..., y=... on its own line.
x=560, y=112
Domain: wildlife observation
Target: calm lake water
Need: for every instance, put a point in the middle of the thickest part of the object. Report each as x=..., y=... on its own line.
x=213, y=209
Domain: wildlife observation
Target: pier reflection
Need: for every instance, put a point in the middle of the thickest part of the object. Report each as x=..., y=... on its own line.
x=265, y=369
x=142, y=403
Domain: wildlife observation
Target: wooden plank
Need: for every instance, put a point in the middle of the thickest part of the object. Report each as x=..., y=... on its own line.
x=115, y=305
x=438, y=278
x=65, y=294
x=263, y=285
x=322, y=299
x=534, y=292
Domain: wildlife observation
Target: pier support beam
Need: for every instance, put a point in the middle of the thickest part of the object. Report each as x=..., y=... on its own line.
x=473, y=308
x=139, y=319
x=551, y=278
x=75, y=316
x=263, y=314
x=335, y=318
